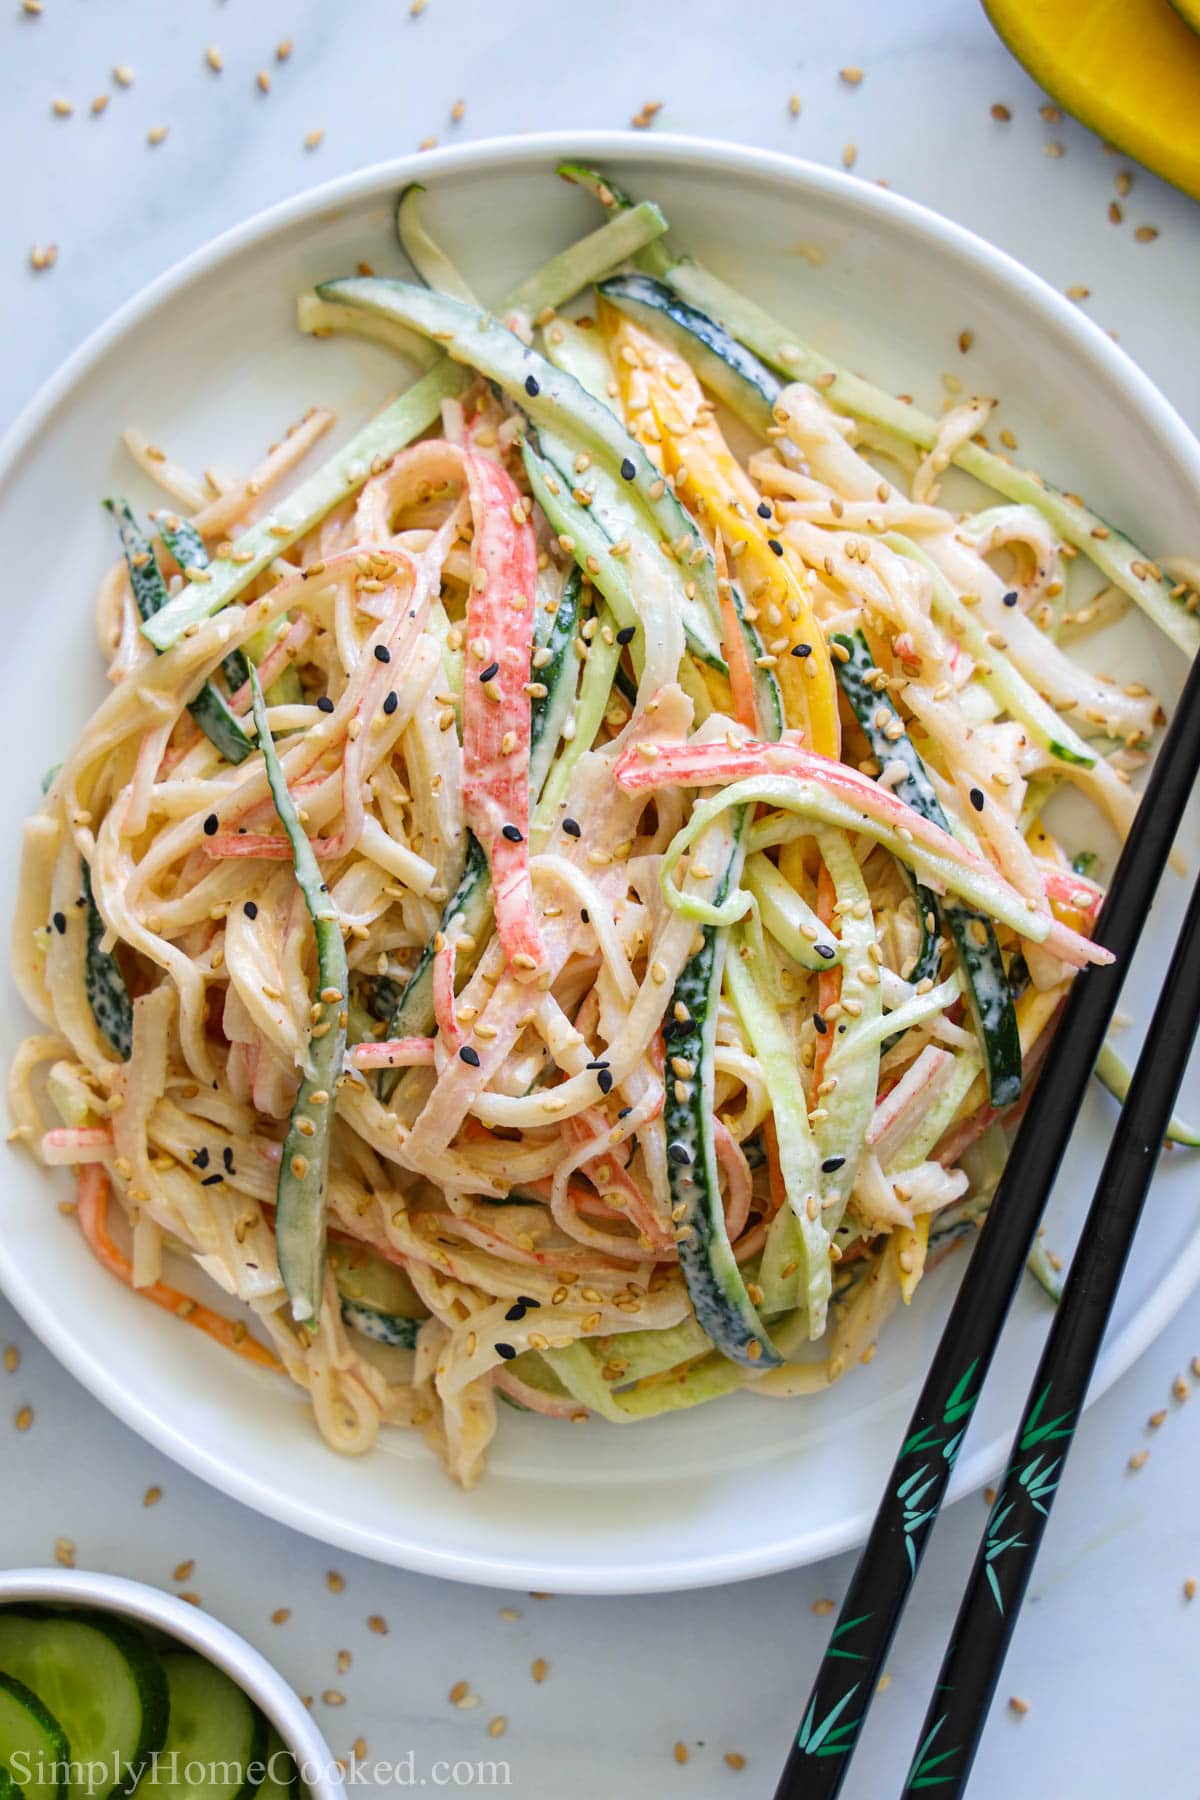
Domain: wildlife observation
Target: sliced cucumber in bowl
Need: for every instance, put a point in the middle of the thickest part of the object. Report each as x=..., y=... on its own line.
x=101, y=1681
x=33, y=1746
x=216, y=1742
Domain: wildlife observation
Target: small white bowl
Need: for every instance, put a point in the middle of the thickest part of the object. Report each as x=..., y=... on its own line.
x=202, y=1633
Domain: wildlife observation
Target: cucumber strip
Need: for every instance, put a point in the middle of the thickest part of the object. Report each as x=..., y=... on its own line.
x=788, y=917
x=987, y=989
x=552, y=400
x=553, y=637
x=392, y=1329
x=1048, y=729
x=405, y=419
x=304, y=1164
x=190, y=551
x=101, y=1681
x=776, y=1054
x=1043, y=1271
x=210, y=709
x=1114, y=1073
x=1118, y=559
x=377, y=1298
x=103, y=981
x=579, y=1372
x=216, y=1746
x=33, y=1746
x=718, y=1294
x=610, y=517
x=428, y=259
x=604, y=655
x=581, y=354
x=734, y=374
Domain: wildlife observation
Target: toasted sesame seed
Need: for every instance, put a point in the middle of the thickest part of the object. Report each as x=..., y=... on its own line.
x=680, y=1753
x=283, y=49
x=183, y=1571
x=314, y=139
x=24, y=1418
x=33, y=7
x=1181, y=1388
x=1189, y=1588
x=642, y=121
x=822, y=1608
x=64, y=1552
x=214, y=59
x=427, y=143
x=1145, y=234
x=281, y=1615
x=852, y=75
x=417, y=8
x=1078, y=292
x=152, y=1496
x=43, y=256
x=378, y=1624
x=335, y=1582
x=849, y=156
x=12, y=1359
x=1052, y=147
x=332, y=1697
x=794, y=105
x=457, y=111
x=123, y=75
x=1139, y=1459
x=1000, y=112
x=1017, y=1705
x=62, y=109
x=191, y=1598
x=156, y=134
x=497, y=1726
x=734, y=1759
x=539, y=1668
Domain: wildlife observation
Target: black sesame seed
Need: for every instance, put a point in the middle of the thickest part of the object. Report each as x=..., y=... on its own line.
x=527, y=1301
x=511, y=833
x=627, y=634
x=976, y=798
x=628, y=470
x=506, y=1350
x=212, y=1180
x=515, y=1312
x=211, y=825
x=601, y=1062
x=604, y=1081
x=820, y=1024
x=764, y=510
x=832, y=1164
x=490, y=673
x=325, y=704
x=250, y=909
x=531, y=387
x=825, y=950
x=801, y=649
x=200, y=1157
x=776, y=546
x=391, y=703
x=572, y=828
x=679, y=1153
x=382, y=653
x=469, y=1056
x=1011, y=598
x=227, y=1157
x=625, y=1112
x=585, y=915
x=60, y=923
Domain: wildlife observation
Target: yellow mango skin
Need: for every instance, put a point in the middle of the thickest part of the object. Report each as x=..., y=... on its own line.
x=1130, y=69
x=660, y=385
x=1189, y=12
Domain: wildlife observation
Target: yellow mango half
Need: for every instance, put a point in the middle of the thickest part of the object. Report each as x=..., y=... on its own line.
x=1128, y=68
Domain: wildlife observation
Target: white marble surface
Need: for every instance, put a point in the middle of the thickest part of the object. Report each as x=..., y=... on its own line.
x=1106, y=1650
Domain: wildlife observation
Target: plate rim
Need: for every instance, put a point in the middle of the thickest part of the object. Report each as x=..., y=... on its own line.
x=537, y=151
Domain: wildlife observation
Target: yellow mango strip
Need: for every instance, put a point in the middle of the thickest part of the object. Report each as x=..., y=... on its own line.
x=667, y=410
x=909, y=1246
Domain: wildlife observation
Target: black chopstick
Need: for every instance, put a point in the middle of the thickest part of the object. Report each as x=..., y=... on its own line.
x=853, y=1661
x=971, y=1668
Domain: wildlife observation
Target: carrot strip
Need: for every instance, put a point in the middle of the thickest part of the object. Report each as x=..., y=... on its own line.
x=741, y=675
x=93, y=1219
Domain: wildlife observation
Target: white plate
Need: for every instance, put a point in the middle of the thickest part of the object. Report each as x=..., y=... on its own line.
x=207, y=361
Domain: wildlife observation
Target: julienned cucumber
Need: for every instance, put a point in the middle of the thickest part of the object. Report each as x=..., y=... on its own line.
x=733, y=373
x=988, y=993
x=216, y=1732
x=103, y=981
x=101, y=1681
x=33, y=1745
x=377, y=1298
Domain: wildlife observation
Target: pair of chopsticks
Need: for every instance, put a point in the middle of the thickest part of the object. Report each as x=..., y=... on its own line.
x=849, y=1674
